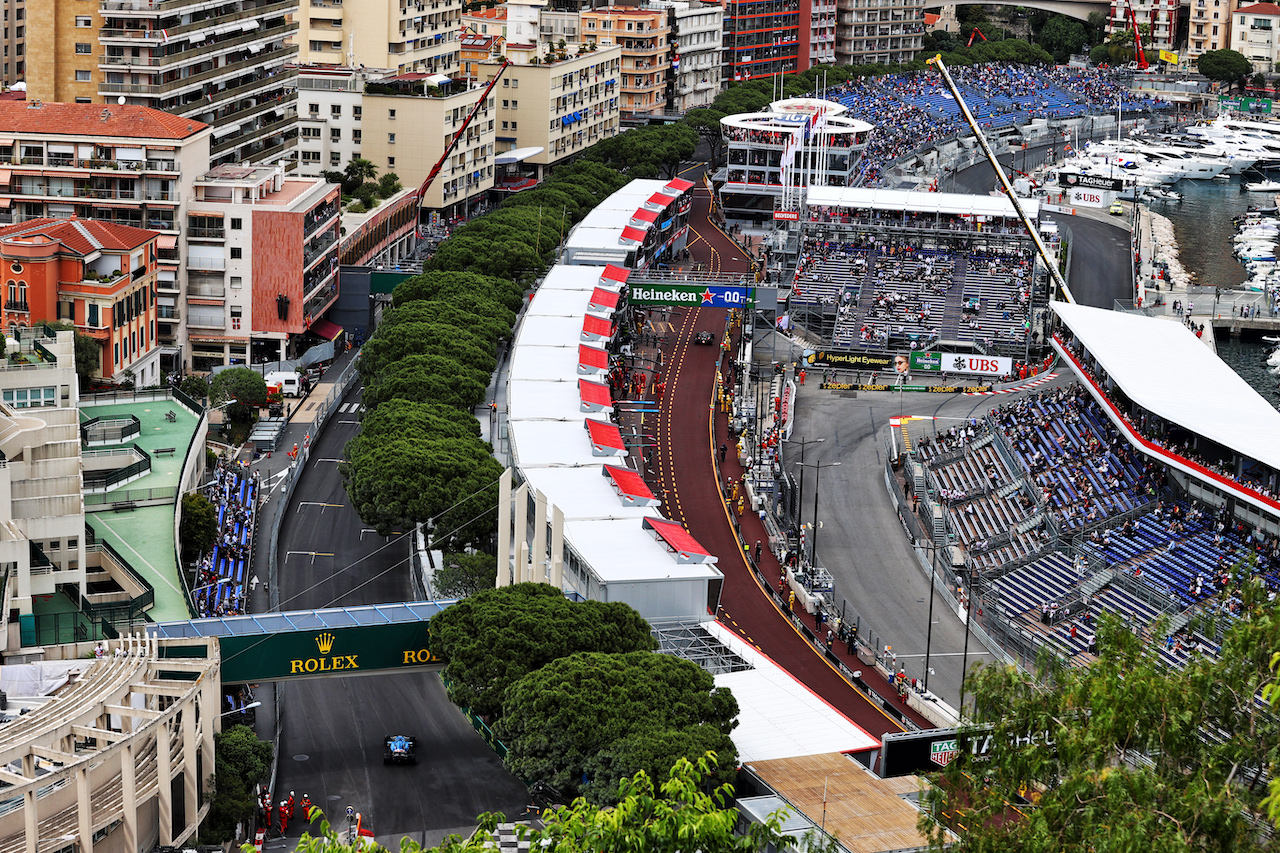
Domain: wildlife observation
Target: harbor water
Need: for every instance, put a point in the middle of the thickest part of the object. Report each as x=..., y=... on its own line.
x=1202, y=224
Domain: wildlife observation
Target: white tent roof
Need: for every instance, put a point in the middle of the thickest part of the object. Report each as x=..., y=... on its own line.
x=517, y=155
x=921, y=202
x=778, y=717
x=620, y=551
x=1163, y=367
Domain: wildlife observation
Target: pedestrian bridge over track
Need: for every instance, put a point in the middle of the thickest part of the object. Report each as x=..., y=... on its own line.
x=339, y=641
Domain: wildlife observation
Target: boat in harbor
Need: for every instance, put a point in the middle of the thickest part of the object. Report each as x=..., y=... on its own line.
x=1267, y=186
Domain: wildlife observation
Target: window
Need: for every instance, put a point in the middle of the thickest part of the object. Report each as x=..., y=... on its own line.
x=355, y=136
x=505, y=125
x=335, y=134
x=514, y=125
x=391, y=139
x=506, y=84
x=83, y=48
x=310, y=133
x=84, y=100
x=93, y=315
x=237, y=282
x=391, y=114
x=236, y=253
x=236, y=223
x=311, y=156
x=235, y=316
x=1215, y=31
x=391, y=162
x=26, y=398
x=515, y=82
x=335, y=110
x=84, y=21
x=356, y=112
x=82, y=76
x=314, y=109
x=515, y=105
x=506, y=105
x=335, y=159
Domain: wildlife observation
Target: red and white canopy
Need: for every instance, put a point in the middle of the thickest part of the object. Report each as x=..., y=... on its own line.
x=630, y=486
x=592, y=361
x=678, y=541
x=594, y=396
x=606, y=439
x=635, y=235
x=596, y=329
x=603, y=301
x=614, y=275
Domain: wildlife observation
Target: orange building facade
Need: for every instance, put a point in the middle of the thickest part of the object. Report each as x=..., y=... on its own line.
x=100, y=276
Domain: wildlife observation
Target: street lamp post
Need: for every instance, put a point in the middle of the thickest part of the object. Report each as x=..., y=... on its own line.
x=933, y=579
x=817, y=495
x=968, y=620
x=803, y=442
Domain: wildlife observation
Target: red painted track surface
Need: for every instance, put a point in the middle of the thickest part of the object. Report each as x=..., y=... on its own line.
x=686, y=469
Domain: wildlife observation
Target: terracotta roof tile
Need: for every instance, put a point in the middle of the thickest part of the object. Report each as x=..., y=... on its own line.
x=95, y=120
x=1260, y=9
x=80, y=235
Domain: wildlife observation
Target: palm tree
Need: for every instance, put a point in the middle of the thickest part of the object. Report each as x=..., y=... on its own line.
x=359, y=170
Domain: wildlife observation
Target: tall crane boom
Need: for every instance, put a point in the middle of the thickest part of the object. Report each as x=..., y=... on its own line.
x=457, y=137
x=1137, y=37
x=1041, y=249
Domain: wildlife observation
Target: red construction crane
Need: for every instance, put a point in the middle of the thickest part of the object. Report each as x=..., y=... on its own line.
x=457, y=137
x=1137, y=37
x=976, y=32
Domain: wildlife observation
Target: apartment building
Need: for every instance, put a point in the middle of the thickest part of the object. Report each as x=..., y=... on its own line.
x=1253, y=33
x=404, y=35
x=99, y=275
x=696, y=30
x=877, y=31
x=486, y=22
x=330, y=109
x=560, y=107
x=42, y=541
x=644, y=35
x=126, y=165
x=407, y=132
x=1161, y=17
x=223, y=64
x=761, y=38
x=13, y=65
x=818, y=33
x=474, y=50
x=262, y=263
x=1208, y=27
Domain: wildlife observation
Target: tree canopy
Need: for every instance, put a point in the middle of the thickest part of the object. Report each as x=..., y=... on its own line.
x=463, y=575
x=497, y=636
x=198, y=528
x=241, y=761
x=1224, y=66
x=586, y=722
x=245, y=389
x=1127, y=754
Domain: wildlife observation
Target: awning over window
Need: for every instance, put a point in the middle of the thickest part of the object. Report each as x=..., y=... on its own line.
x=603, y=301
x=594, y=396
x=680, y=185
x=630, y=486
x=642, y=215
x=633, y=234
x=326, y=329
x=596, y=329
x=606, y=439
x=167, y=241
x=592, y=361
x=614, y=273
x=678, y=541
x=6, y=175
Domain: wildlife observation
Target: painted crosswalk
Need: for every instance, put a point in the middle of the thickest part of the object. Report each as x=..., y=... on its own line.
x=351, y=409
x=1039, y=380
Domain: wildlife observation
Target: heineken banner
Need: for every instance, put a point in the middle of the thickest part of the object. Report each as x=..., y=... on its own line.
x=693, y=295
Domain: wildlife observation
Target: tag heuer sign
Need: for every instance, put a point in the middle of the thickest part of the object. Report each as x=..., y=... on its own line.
x=941, y=752
x=1093, y=182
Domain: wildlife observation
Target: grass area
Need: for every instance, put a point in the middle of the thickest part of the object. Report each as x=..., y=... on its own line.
x=144, y=537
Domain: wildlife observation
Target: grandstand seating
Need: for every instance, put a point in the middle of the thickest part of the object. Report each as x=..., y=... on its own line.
x=224, y=572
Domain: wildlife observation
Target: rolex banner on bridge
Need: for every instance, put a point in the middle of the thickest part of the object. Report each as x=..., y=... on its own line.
x=325, y=652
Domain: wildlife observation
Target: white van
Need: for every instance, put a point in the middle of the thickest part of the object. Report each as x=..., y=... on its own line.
x=290, y=383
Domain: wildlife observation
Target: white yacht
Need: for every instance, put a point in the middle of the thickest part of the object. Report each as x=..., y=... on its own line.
x=1201, y=168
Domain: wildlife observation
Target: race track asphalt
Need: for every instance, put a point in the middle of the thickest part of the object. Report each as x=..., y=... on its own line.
x=692, y=497
x=331, y=747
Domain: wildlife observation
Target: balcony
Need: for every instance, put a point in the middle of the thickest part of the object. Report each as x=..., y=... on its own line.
x=15, y=305
x=206, y=290
x=206, y=233
x=207, y=319
x=168, y=312
x=278, y=54
x=218, y=264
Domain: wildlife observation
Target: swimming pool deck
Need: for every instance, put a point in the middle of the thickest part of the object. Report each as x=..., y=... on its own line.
x=144, y=535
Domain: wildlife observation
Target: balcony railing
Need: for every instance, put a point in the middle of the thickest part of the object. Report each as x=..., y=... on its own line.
x=207, y=233
x=253, y=61
x=168, y=312
x=204, y=263
x=15, y=305
x=205, y=290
